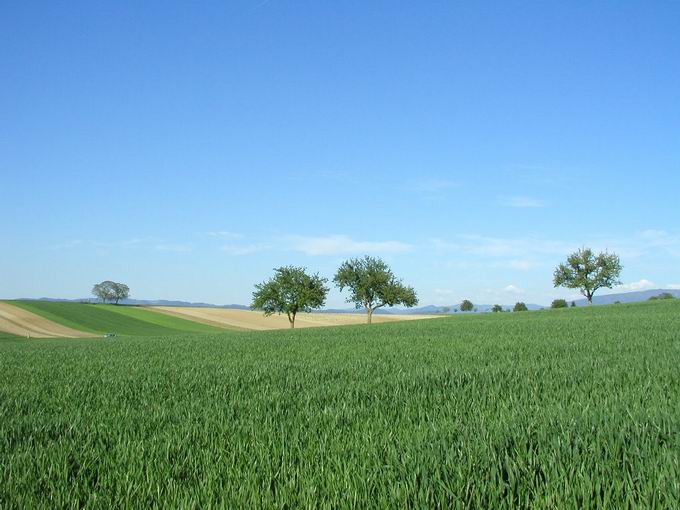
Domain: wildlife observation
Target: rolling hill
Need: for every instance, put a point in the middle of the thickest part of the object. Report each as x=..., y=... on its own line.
x=627, y=297
x=121, y=320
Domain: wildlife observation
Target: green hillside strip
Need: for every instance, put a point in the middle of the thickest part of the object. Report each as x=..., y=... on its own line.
x=9, y=337
x=120, y=320
x=574, y=408
x=164, y=320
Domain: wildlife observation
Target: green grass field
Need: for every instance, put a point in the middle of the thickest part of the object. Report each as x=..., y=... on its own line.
x=554, y=409
x=122, y=320
x=8, y=336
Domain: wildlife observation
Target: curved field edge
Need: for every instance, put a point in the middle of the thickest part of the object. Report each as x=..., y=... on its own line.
x=564, y=409
x=100, y=319
x=256, y=320
x=20, y=322
x=181, y=313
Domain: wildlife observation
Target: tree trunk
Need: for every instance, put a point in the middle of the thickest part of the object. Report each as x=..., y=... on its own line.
x=291, y=320
x=369, y=313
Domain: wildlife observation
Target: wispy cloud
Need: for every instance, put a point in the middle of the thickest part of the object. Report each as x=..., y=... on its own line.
x=513, y=289
x=433, y=185
x=639, y=285
x=444, y=292
x=176, y=248
x=663, y=240
x=344, y=245
x=224, y=235
x=245, y=249
x=66, y=245
x=124, y=243
x=519, y=248
x=523, y=202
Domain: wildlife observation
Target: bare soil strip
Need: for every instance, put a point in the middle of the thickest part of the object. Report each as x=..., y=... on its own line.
x=20, y=322
x=246, y=319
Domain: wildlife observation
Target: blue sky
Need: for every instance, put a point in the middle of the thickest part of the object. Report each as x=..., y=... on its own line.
x=188, y=149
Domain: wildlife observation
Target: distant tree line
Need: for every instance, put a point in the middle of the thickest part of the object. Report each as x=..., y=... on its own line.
x=584, y=271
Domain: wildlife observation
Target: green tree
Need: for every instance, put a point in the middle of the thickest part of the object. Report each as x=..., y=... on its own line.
x=104, y=290
x=559, y=303
x=520, y=307
x=466, y=306
x=663, y=295
x=496, y=308
x=372, y=285
x=588, y=272
x=120, y=291
x=111, y=291
x=573, y=304
x=291, y=290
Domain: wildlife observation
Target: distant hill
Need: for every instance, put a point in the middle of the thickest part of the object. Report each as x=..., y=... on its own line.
x=428, y=310
x=141, y=302
x=627, y=297
x=604, y=299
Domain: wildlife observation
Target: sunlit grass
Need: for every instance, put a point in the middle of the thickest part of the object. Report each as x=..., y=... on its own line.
x=566, y=409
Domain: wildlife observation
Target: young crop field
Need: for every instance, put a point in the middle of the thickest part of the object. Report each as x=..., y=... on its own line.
x=574, y=408
x=122, y=320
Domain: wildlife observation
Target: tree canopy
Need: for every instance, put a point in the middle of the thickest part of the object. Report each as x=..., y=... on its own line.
x=372, y=285
x=111, y=291
x=520, y=307
x=559, y=303
x=496, y=308
x=588, y=272
x=467, y=306
x=291, y=290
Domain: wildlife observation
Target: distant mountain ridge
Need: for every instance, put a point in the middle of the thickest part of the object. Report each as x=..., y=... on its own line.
x=628, y=297
x=605, y=299
x=144, y=302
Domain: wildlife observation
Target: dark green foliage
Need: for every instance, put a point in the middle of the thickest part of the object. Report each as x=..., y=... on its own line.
x=496, y=308
x=520, y=307
x=291, y=290
x=559, y=303
x=588, y=272
x=372, y=285
x=122, y=320
x=466, y=306
x=533, y=410
x=573, y=304
x=663, y=295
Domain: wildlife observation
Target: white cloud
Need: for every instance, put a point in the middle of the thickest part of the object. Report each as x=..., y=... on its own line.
x=639, y=285
x=513, y=289
x=502, y=247
x=661, y=239
x=244, y=249
x=344, y=245
x=673, y=286
x=523, y=202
